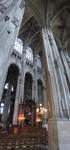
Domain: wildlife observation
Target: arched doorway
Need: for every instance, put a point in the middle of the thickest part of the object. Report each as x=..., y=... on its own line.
x=8, y=97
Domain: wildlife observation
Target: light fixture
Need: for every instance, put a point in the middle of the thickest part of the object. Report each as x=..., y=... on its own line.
x=41, y=113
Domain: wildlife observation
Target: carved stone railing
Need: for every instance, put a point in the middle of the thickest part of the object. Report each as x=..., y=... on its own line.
x=16, y=55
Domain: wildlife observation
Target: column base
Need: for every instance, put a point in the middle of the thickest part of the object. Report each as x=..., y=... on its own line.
x=59, y=134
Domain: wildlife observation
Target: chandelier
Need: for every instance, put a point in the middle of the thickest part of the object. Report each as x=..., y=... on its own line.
x=41, y=114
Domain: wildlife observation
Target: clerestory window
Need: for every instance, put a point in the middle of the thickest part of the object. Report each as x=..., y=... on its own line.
x=18, y=46
x=29, y=54
x=38, y=61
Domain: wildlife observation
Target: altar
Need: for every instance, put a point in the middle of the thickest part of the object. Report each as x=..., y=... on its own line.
x=29, y=112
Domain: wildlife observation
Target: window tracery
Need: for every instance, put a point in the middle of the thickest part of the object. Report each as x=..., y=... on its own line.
x=38, y=61
x=18, y=46
x=29, y=54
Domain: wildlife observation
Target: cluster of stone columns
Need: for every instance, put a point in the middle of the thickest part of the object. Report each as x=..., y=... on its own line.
x=59, y=101
x=60, y=90
x=66, y=61
x=17, y=101
x=35, y=84
x=7, y=104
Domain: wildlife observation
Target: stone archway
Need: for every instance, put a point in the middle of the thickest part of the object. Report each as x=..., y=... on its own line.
x=9, y=92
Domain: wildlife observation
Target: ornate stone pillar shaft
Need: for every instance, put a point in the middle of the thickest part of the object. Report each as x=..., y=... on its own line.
x=15, y=115
x=7, y=104
x=20, y=88
x=67, y=69
x=63, y=87
x=45, y=97
x=56, y=104
x=35, y=81
x=22, y=76
x=59, y=98
x=33, y=96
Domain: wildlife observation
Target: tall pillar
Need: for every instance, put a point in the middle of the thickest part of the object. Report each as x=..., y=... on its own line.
x=45, y=90
x=33, y=96
x=59, y=124
x=57, y=111
x=21, y=92
x=35, y=81
x=66, y=65
x=62, y=82
x=36, y=91
x=16, y=107
x=22, y=75
x=45, y=97
x=7, y=104
x=20, y=89
x=10, y=22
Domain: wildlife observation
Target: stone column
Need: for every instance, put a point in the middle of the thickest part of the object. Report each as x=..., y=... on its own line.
x=20, y=89
x=67, y=69
x=58, y=126
x=44, y=90
x=10, y=22
x=45, y=97
x=35, y=81
x=36, y=91
x=67, y=57
x=23, y=75
x=63, y=86
x=15, y=115
x=54, y=86
x=7, y=104
x=33, y=88
x=21, y=92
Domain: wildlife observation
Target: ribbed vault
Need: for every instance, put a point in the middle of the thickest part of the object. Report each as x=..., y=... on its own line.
x=52, y=14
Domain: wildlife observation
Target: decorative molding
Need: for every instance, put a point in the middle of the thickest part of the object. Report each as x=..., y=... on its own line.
x=22, y=4
x=50, y=40
x=15, y=21
x=2, y=8
x=6, y=18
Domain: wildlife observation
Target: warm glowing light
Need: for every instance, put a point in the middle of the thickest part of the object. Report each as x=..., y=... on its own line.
x=41, y=114
x=37, y=110
x=21, y=118
x=37, y=119
x=41, y=111
x=45, y=110
x=20, y=115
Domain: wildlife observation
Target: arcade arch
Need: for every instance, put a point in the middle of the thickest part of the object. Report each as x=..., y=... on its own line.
x=28, y=86
x=9, y=92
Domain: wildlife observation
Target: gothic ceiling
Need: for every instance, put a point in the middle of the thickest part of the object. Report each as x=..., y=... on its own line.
x=55, y=14
x=30, y=32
